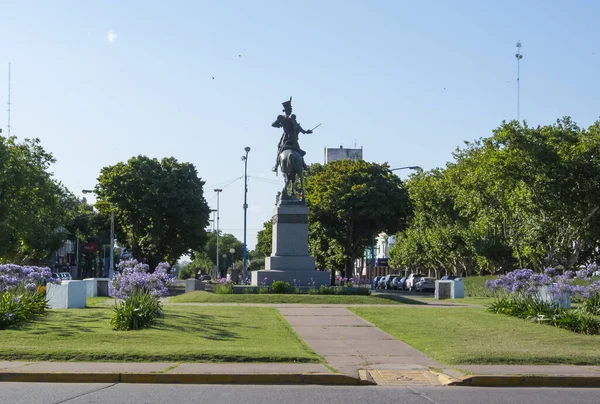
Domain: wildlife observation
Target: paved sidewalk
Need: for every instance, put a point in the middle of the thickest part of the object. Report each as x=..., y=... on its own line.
x=349, y=343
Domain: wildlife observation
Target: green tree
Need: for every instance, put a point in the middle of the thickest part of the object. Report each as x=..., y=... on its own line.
x=34, y=207
x=226, y=243
x=201, y=264
x=264, y=239
x=352, y=200
x=160, y=209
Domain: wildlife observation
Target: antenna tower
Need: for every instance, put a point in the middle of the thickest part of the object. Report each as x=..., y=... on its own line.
x=8, y=103
x=518, y=56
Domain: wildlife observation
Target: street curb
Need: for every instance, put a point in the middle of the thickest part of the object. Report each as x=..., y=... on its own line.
x=333, y=379
x=527, y=381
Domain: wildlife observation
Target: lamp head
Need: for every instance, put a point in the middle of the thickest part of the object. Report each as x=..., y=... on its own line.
x=247, y=149
x=232, y=250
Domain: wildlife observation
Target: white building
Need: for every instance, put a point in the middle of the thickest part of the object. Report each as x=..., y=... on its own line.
x=342, y=154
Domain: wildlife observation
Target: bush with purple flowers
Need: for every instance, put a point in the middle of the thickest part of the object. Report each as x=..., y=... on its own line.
x=518, y=293
x=223, y=286
x=135, y=277
x=22, y=297
x=140, y=291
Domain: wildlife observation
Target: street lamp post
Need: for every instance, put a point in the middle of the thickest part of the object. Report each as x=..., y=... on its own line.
x=245, y=158
x=212, y=221
x=418, y=168
x=234, y=279
x=218, y=191
x=225, y=265
x=111, y=265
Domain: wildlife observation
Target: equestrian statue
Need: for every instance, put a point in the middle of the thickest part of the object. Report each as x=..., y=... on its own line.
x=290, y=157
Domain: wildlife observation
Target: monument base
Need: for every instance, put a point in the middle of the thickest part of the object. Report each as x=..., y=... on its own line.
x=290, y=263
x=265, y=277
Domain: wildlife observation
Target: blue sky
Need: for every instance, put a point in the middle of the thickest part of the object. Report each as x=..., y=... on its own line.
x=408, y=81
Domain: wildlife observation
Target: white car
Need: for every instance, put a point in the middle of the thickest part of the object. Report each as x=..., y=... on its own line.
x=412, y=280
x=425, y=284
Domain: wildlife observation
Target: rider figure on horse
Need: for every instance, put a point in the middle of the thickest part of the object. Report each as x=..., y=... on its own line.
x=291, y=130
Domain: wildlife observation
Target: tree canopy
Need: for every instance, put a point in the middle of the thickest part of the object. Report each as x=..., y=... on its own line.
x=526, y=197
x=160, y=209
x=351, y=201
x=34, y=207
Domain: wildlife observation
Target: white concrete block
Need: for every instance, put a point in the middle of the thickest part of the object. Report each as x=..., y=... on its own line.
x=458, y=289
x=66, y=295
x=91, y=287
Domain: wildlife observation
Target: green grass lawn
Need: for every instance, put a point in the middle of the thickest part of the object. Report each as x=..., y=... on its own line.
x=483, y=301
x=456, y=336
x=94, y=301
x=206, y=297
x=185, y=333
x=475, y=285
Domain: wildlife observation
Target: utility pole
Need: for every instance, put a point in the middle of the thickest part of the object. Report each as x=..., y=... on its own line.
x=111, y=268
x=8, y=103
x=245, y=158
x=218, y=191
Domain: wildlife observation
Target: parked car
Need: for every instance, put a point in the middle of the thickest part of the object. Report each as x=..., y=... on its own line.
x=398, y=283
x=449, y=277
x=376, y=282
x=65, y=276
x=425, y=284
x=385, y=282
x=411, y=280
x=205, y=278
x=380, y=284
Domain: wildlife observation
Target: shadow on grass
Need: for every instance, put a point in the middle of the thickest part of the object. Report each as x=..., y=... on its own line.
x=203, y=325
x=397, y=298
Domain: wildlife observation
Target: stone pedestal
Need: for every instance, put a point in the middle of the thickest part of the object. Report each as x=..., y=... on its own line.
x=193, y=284
x=289, y=258
x=452, y=289
x=66, y=295
x=96, y=286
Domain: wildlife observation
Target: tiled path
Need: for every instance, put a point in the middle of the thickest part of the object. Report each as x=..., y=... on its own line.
x=347, y=342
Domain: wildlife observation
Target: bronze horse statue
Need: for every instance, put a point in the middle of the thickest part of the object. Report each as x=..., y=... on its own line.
x=291, y=164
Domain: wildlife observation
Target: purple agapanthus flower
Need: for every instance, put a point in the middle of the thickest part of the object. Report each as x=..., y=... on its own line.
x=135, y=277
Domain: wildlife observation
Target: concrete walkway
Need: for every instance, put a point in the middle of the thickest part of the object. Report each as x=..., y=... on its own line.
x=349, y=343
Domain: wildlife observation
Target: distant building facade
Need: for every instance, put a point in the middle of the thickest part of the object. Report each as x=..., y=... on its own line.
x=342, y=154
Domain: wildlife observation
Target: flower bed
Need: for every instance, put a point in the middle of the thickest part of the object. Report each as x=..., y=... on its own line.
x=542, y=298
x=140, y=292
x=22, y=293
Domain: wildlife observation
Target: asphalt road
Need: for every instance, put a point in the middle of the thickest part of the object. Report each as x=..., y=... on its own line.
x=45, y=393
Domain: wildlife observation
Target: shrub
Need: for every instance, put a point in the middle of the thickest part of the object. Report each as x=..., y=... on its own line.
x=313, y=291
x=18, y=306
x=136, y=277
x=281, y=287
x=591, y=305
x=223, y=288
x=325, y=290
x=22, y=293
x=136, y=311
x=536, y=310
x=339, y=290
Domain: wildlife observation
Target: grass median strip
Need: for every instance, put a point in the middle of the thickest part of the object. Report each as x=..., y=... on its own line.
x=185, y=333
x=206, y=297
x=464, y=336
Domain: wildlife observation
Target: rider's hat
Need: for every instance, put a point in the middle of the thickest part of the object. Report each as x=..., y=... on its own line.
x=287, y=104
